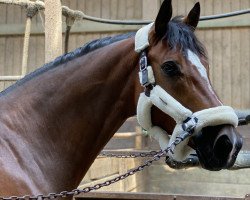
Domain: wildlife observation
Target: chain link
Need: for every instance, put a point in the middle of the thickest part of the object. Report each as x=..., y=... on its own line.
x=155, y=154
x=145, y=154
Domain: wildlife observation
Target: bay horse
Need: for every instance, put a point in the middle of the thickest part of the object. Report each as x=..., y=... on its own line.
x=55, y=121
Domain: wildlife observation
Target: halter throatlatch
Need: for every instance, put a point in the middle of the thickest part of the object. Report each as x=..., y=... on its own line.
x=187, y=122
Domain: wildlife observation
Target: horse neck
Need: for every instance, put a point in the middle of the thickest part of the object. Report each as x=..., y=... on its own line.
x=66, y=115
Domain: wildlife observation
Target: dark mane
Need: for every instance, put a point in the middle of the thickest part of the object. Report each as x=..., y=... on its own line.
x=180, y=35
x=87, y=48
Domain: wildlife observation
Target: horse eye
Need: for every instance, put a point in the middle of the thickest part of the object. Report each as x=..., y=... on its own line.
x=171, y=68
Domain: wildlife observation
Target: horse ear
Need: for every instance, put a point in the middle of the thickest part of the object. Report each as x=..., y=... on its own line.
x=163, y=17
x=193, y=16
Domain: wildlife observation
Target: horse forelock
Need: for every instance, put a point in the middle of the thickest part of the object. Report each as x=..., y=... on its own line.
x=180, y=35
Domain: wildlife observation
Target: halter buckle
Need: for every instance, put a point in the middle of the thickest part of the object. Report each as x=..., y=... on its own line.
x=143, y=69
x=143, y=61
x=188, y=127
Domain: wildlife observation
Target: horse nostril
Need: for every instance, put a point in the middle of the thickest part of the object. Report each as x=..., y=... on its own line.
x=222, y=147
x=217, y=147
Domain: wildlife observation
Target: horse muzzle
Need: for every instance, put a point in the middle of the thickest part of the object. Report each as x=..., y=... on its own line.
x=217, y=147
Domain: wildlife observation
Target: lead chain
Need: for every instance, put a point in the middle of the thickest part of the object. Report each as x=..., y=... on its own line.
x=91, y=188
x=131, y=155
x=156, y=156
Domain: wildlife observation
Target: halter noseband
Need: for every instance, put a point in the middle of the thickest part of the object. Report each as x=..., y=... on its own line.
x=187, y=122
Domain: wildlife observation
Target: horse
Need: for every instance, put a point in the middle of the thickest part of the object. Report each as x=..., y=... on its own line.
x=56, y=120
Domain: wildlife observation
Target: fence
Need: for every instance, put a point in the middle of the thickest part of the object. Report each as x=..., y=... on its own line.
x=145, y=196
x=105, y=168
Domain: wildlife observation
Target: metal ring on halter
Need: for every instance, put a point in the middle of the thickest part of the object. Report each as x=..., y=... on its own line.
x=188, y=127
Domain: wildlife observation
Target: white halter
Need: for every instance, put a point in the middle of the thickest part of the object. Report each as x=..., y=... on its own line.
x=184, y=117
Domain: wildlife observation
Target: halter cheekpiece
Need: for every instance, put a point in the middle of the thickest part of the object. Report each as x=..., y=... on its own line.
x=187, y=122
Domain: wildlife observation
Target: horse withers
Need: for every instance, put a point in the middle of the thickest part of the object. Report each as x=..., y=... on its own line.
x=55, y=121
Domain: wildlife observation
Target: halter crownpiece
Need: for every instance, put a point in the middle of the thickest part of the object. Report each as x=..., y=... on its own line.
x=141, y=38
x=187, y=122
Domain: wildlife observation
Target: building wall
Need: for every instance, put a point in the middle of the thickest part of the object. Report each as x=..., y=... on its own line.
x=227, y=41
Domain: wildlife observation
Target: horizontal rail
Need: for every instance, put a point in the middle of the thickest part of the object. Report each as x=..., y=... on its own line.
x=127, y=135
x=124, y=151
x=242, y=161
x=79, y=15
x=225, y=15
x=242, y=113
x=244, y=117
x=10, y=78
x=94, y=27
x=92, y=183
x=148, y=196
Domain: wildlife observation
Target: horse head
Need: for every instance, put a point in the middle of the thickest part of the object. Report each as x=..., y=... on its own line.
x=177, y=88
